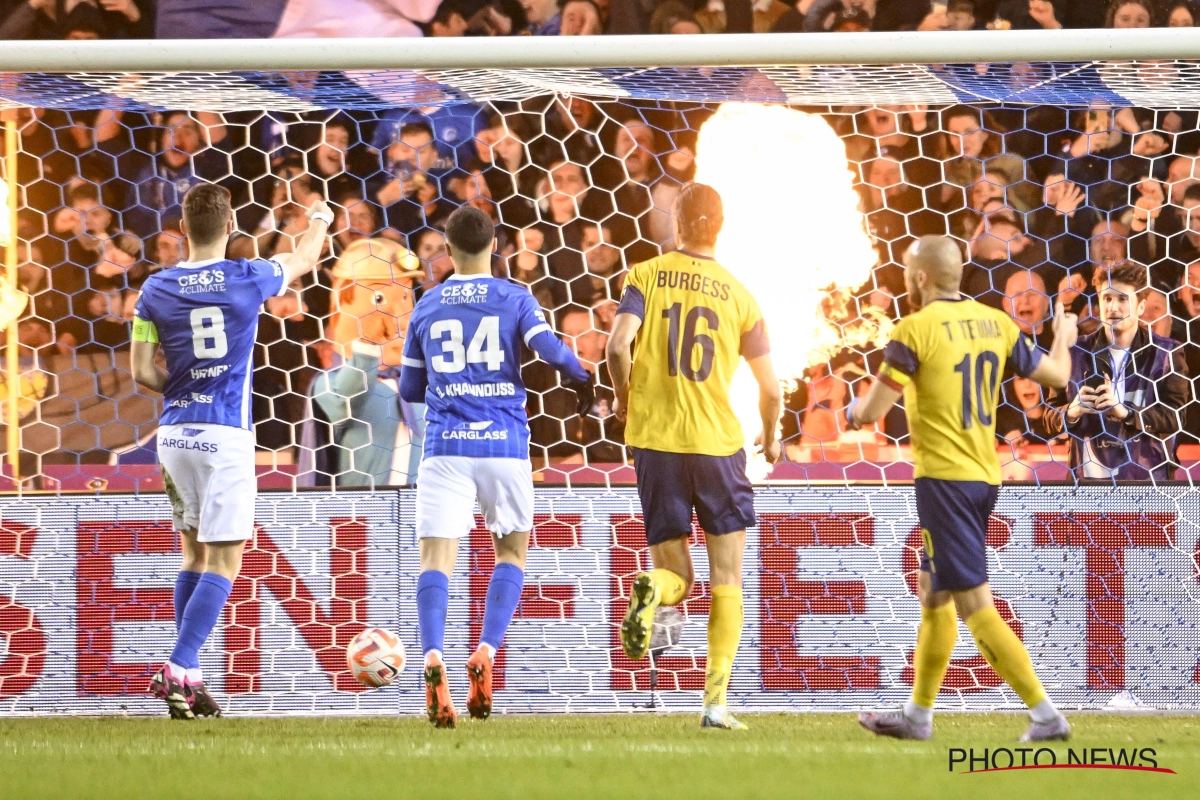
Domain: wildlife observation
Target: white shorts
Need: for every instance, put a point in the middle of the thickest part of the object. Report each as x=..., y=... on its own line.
x=208, y=472
x=448, y=486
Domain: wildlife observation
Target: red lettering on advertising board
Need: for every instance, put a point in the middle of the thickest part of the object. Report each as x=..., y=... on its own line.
x=264, y=567
x=25, y=640
x=786, y=600
x=101, y=603
x=540, y=598
x=1105, y=537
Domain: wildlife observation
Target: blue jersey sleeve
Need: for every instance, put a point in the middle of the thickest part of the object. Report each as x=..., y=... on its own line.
x=142, y=308
x=414, y=381
x=267, y=275
x=1025, y=356
x=531, y=320
x=551, y=350
x=540, y=338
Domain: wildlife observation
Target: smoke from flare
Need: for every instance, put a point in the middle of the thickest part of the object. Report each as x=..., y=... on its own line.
x=794, y=236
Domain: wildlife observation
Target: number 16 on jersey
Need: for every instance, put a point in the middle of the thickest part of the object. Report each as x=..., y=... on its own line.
x=679, y=357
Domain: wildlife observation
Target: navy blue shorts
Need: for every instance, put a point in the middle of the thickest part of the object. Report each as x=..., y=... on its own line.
x=954, y=522
x=670, y=485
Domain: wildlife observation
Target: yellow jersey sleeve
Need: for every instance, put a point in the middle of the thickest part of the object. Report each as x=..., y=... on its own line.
x=754, y=341
x=144, y=331
x=900, y=357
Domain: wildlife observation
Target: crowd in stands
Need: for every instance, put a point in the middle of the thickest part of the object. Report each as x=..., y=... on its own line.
x=201, y=19
x=1044, y=201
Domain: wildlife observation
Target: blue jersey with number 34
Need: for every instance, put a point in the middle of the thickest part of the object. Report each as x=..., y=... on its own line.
x=205, y=316
x=463, y=352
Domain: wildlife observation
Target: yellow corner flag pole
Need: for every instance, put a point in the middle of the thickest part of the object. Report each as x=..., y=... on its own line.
x=12, y=370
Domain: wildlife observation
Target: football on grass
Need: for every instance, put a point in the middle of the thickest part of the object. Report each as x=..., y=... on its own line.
x=375, y=657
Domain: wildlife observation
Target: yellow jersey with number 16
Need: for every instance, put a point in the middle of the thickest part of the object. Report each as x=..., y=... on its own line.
x=697, y=322
x=948, y=358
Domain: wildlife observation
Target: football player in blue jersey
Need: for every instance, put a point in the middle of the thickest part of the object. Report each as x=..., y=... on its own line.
x=462, y=357
x=203, y=313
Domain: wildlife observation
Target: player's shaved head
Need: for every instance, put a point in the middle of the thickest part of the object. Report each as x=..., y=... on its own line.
x=940, y=259
x=206, y=213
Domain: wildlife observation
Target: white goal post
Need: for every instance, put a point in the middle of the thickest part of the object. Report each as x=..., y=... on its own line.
x=546, y=52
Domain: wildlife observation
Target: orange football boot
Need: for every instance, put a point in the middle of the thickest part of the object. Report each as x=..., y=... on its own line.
x=437, y=695
x=479, y=693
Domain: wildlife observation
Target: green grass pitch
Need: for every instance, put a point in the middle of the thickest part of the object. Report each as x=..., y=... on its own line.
x=811, y=756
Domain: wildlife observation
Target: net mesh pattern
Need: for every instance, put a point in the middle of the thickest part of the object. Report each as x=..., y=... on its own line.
x=1046, y=174
x=581, y=189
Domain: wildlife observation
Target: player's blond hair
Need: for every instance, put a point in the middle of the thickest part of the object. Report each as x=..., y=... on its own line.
x=699, y=214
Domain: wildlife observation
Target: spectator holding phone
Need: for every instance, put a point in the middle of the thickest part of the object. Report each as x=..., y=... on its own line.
x=1128, y=387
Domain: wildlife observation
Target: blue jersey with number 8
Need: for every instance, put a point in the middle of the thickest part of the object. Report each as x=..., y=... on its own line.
x=205, y=317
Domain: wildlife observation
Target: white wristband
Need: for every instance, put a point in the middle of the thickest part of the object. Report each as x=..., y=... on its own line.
x=323, y=216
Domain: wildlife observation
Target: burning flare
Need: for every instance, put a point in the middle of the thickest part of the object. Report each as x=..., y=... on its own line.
x=794, y=235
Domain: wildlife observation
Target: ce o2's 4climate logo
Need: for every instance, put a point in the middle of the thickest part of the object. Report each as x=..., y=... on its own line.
x=206, y=280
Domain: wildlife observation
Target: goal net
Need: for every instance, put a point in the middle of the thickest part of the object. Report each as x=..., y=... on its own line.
x=1048, y=170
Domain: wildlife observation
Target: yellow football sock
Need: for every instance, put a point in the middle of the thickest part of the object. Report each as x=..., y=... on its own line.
x=935, y=644
x=1004, y=651
x=670, y=587
x=724, y=633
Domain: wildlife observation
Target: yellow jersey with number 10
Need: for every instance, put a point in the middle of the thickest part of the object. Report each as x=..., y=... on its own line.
x=949, y=358
x=697, y=322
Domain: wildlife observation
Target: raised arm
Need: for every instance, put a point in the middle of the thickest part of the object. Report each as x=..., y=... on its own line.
x=620, y=359
x=308, y=247
x=1054, y=369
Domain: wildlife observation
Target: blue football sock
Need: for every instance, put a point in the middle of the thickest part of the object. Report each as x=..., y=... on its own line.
x=185, y=584
x=433, y=596
x=201, y=614
x=503, y=595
